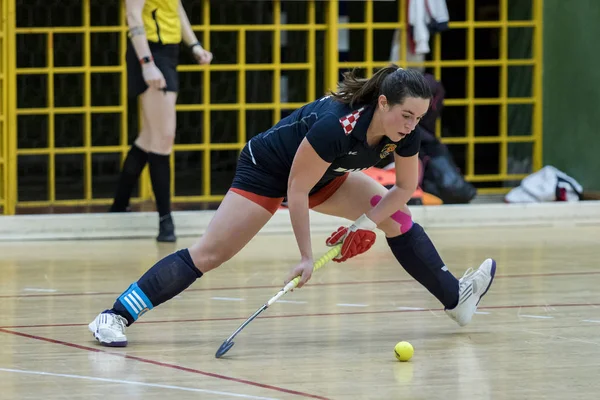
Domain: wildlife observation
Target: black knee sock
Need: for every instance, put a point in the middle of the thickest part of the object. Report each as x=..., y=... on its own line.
x=160, y=175
x=417, y=254
x=165, y=280
x=132, y=168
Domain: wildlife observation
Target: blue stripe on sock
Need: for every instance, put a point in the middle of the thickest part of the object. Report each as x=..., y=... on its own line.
x=135, y=301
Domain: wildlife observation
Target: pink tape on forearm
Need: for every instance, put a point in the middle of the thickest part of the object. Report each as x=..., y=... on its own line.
x=403, y=219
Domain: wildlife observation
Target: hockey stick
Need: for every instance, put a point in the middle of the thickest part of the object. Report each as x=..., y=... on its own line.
x=228, y=344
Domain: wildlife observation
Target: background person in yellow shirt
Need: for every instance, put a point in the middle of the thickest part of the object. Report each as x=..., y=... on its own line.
x=156, y=29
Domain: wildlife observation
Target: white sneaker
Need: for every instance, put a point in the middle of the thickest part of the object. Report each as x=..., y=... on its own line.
x=471, y=288
x=109, y=329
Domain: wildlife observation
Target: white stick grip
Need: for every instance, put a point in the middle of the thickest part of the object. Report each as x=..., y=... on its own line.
x=291, y=285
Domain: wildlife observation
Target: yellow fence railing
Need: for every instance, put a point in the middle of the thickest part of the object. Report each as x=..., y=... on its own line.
x=65, y=120
x=472, y=64
x=3, y=108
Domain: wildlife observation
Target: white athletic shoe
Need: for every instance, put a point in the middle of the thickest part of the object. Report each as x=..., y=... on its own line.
x=471, y=288
x=109, y=329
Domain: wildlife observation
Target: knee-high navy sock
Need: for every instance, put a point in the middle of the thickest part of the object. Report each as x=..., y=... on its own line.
x=165, y=280
x=160, y=176
x=418, y=256
x=132, y=168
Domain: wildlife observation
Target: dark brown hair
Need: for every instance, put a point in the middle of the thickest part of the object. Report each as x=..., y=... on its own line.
x=393, y=82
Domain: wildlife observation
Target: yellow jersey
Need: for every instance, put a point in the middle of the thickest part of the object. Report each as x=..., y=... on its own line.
x=161, y=21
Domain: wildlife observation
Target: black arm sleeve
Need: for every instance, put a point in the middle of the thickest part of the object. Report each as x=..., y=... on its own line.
x=328, y=138
x=410, y=145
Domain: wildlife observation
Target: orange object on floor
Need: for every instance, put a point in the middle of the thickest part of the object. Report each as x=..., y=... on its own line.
x=388, y=178
x=420, y=197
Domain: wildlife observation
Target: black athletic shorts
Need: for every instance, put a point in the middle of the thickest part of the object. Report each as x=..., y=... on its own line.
x=166, y=58
x=254, y=178
x=268, y=189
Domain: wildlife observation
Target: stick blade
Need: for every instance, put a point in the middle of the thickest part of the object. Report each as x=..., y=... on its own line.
x=228, y=344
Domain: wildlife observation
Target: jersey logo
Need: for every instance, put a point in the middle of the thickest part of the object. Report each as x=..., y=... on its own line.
x=340, y=169
x=387, y=149
x=349, y=121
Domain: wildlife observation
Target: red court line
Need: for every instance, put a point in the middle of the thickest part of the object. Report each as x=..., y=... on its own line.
x=167, y=365
x=216, y=289
x=179, y=321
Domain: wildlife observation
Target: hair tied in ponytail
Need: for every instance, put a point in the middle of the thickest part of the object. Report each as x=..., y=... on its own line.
x=394, y=82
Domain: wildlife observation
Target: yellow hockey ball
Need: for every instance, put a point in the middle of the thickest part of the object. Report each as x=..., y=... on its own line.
x=404, y=351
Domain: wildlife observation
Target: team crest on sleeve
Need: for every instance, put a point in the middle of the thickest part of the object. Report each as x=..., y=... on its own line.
x=349, y=121
x=387, y=149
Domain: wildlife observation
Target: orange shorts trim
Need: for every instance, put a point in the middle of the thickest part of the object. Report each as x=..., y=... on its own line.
x=327, y=191
x=272, y=204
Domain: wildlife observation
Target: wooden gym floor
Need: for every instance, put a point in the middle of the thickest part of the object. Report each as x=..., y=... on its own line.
x=535, y=337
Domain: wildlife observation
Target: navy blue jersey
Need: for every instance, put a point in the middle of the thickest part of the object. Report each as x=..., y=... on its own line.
x=338, y=134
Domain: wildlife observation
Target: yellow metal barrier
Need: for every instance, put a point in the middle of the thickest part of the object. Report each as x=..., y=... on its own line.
x=241, y=106
x=35, y=108
x=471, y=63
x=51, y=149
x=8, y=187
x=3, y=108
x=49, y=113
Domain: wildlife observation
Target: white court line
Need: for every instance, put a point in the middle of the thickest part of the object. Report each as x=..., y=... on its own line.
x=535, y=316
x=227, y=298
x=591, y=320
x=411, y=308
x=351, y=305
x=27, y=289
x=92, y=378
x=482, y=312
x=561, y=337
x=291, y=301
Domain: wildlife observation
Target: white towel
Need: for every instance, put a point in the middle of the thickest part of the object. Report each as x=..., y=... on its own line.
x=425, y=17
x=547, y=184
